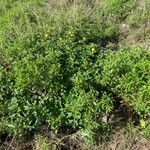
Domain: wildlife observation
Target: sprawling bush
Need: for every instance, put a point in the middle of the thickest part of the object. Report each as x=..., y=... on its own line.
x=49, y=78
x=126, y=73
x=61, y=68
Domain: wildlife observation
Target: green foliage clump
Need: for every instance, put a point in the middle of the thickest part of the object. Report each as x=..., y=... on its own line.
x=49, y=80
x=127, y=73
x=60, y=66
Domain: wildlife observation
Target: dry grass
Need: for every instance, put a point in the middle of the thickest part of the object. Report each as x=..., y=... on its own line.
x=123, y=140
x=119, y=140
x=137, y=25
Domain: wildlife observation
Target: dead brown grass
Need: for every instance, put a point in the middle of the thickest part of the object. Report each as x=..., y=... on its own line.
x=119, y=140
x=123, y=140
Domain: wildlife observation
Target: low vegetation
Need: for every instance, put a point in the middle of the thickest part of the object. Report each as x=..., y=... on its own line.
x=73, y=68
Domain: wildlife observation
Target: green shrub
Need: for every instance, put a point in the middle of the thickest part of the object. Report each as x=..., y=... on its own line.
x=126, y=72
x=50, y=79
x=58, y=67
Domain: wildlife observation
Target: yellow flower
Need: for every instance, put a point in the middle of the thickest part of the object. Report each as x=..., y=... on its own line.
x=84, y=38
x=93, y=50
x=46, y=35
x=71, y=35
x=142, y=123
